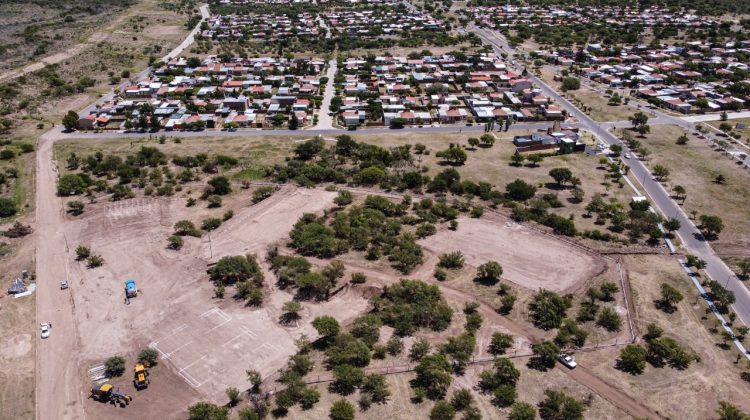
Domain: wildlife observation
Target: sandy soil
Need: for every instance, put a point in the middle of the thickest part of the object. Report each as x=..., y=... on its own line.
x=528, y=258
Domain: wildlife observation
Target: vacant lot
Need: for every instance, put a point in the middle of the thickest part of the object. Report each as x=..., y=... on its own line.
x=695, y=166
x=713, y=378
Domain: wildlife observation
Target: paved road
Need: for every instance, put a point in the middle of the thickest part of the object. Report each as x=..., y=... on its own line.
x=325, y=121
x=190, y=38
x=692, y=241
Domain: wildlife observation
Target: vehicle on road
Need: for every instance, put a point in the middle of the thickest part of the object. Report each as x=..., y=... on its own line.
x=45, y=329
x=567, y=360
x=627, y=155
x=63, y=284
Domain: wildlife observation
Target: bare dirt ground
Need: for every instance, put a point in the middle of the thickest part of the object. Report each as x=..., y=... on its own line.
x=201, y=339
x=713, y=378
x=529, y=259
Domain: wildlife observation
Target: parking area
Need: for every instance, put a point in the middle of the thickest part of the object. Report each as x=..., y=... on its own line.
x=212, y=351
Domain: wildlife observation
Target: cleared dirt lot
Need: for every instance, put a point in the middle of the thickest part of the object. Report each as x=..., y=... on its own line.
x=529, y=259
x=207, y=342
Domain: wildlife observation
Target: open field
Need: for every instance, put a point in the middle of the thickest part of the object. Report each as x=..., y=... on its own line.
x=713, y=378
x=695, y=167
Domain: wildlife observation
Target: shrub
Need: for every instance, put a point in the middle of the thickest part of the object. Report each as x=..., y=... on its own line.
x=261, y=193
x=148, y=356
x=452, y=260
x=7, y=207
x=210, y=224
x=71, y=184
x=94, y=261
x=115, y=366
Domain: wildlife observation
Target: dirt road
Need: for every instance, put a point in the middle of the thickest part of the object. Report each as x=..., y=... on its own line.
x=58, y=386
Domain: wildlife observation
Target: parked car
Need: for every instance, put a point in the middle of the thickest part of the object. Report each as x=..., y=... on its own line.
x=45, y=327
x=567, y=360
x=63, y=284
x=627, y=155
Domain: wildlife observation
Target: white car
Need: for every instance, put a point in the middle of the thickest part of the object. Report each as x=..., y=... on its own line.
x=45, y=329
x=567, y=360
x=63, y=284
x=627, y=155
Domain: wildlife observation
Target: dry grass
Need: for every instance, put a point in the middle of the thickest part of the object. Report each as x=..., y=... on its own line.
x=695, y=166
x=713, y=378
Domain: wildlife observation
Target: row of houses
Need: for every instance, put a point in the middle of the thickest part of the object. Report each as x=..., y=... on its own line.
x=694, y=77
x=260, y=26
x=550, y=15
x=379, y=21
x=445, y=89
x=245, y=92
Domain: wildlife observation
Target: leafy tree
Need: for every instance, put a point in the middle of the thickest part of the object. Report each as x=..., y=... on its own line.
x=343, y=198
x=221, y=185
x=442, y=410
x=342, y=410
x=489, y=273
x=545, y=354
x=744, y=267
x=535, y=159
x=70, y=120
x=82, y=252
x=711, y=225
x=232, y=269
x=506, y=303
x=454, y=155
x=500, y=343
x=76, y=207
x=727, y=411
x=419, y=350
x=327, y=326
x=347, y=378
x=660, y=172
x=522, y=411
x=347, y=349
x=433, y=375
x=609, y=320
x=670, y=297
x=517, y=159
x=115, y=366
x=570, y=83
x=570, y=332
x=561, y=175
x=672, y=225
x=607, y=291
x=71, y=184
x=504, y=395
x=461, y=399
x=473, y=142
x=207, y=411
x=503, y=373
x=376, y=387
x=291, y=311
x=451, y=260
x=185, y=227
x=94, y=261
x=559, y=406
x=148, y=356
x=394, y=346
x=411, y=304
x=519, y=190
x=632, y=359
x=548, y=309
x=367, y=328
x=487, y=140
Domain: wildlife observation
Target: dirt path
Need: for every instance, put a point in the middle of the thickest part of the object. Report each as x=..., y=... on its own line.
x=59, y=392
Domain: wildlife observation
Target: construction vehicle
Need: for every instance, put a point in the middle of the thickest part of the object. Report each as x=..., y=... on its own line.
x=140, y=379
x=107, y=393
x=131, y=290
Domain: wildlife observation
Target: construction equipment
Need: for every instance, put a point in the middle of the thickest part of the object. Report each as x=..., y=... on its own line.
x=140, y=379
x=107, y=393
x=130, y=289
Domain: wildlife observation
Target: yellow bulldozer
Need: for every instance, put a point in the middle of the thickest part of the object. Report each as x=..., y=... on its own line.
x=107, y=393
x=140, y=376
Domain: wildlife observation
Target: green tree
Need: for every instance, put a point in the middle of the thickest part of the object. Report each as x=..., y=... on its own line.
x=376, y=387
x=253, y=376
x=535, y=159
x=207, y=411
x=660, y=172
x=71, y=184
x=559, y=406
x=519, y=190
x=115, y=366
x=561, y=175
x=434, y=375
x=454, y=155
x=76, y=207
x=442, y=410
x=70, y=120
x=419, y=350
x=609, y=320
x=148, y=356
x=570, y=83
x=548, y=309
x=727, y=411
x=7, y=207
x=545, y=355
x=327, y=326
x=670, y=297
x=517, y=159
x=522, y=411
x=342, y=410
x=711, y=225
x=500, y=343
x=233, y=394
x=347, y=378
x=221, y=185
x=232, y=269
x=632, y=359
x=489, y=273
